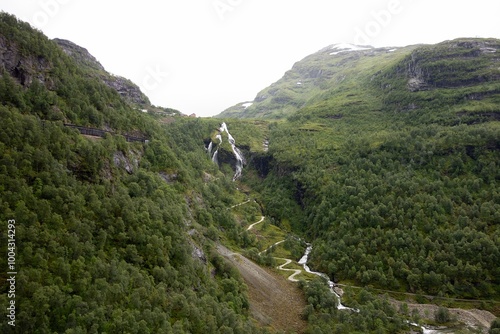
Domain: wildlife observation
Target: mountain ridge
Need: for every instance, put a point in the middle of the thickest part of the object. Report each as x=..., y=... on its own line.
x=324, y=72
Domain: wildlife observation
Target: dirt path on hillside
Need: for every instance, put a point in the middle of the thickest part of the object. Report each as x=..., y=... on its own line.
x=253, y=225
x=274, y=301
x=240, y=204
x=294, y=272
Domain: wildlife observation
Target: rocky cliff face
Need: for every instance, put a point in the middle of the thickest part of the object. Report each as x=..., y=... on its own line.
x=25, y=69
x=451, y=64
x=126, y=88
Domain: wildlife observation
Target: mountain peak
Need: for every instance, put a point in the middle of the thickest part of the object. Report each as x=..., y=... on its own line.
x=81, y=55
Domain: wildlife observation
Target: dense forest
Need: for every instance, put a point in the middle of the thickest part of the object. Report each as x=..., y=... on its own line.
x=111, y=236
x=420, y=216
x=395, y=197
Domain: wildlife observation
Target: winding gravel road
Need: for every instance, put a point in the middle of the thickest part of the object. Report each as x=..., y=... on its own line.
x=295, y=271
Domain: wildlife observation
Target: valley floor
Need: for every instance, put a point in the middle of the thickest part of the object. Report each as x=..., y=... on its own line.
x=277, y=302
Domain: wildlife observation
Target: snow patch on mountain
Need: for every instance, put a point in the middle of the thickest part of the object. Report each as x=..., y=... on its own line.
x=346, y=47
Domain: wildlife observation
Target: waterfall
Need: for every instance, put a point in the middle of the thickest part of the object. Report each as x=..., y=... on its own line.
x=214, y=157
x=240, y=159
x=209, y=149
x=239, y=162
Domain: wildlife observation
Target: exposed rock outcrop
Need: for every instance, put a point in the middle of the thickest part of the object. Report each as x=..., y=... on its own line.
x=129, y=164
x=25, y=69
x=449, y=65
x=127, y=89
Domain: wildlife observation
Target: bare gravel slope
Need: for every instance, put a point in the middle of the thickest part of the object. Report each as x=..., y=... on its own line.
x=274, y=301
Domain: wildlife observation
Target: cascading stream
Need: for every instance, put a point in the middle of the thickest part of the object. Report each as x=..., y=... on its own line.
x=303, y=262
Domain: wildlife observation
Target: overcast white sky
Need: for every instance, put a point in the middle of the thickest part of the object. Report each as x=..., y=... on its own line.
x=202, y=56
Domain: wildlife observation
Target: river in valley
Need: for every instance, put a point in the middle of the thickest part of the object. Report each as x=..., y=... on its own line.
x=340, y=306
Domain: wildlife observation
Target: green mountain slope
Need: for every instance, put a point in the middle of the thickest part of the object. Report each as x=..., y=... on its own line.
x=388, y=160
x=394, y=169
x=110, y=236
x=323, y=71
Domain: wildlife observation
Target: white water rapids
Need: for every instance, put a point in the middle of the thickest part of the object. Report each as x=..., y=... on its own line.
x=240, y=159
x=303, y=262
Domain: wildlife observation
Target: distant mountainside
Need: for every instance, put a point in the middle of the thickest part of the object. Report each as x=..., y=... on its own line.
x=388, y=159
x=336, y=74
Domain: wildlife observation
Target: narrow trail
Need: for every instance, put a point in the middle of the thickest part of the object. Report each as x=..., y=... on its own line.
x=273, y=245
x=253, y=225
x=295, y=271
x=236, y=205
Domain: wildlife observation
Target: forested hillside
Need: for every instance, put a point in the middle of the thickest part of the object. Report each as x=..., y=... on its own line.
x=110, y=236
x=395, y=172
